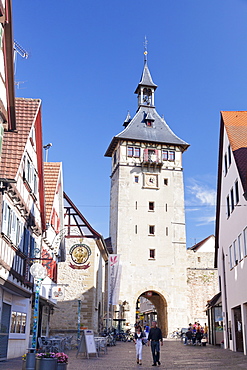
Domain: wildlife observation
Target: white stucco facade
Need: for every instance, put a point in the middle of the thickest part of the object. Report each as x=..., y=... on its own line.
x=232, y=248
x=147, y=228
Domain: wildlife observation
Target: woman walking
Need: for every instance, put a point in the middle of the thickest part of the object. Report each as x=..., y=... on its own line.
x=139, y=336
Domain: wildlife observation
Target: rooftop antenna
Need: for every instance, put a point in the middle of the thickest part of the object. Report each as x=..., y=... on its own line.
x=18, y=49
x=145, y=49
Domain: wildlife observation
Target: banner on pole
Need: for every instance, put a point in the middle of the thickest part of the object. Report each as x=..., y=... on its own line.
x=114, y=273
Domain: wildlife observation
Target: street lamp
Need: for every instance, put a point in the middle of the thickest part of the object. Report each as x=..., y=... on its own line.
x=39, y=273
x=47, y=147
x=80, y=299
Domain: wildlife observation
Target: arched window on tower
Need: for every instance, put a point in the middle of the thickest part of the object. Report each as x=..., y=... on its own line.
x=147, y=96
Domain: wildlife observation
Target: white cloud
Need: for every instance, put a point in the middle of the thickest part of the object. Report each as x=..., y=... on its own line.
x=191, y=209
x=202, y=193
x=205, y=220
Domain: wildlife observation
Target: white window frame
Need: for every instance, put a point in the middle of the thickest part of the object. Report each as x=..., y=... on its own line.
x=154, y=253
x=232, y=202
x=149, y=230
x=245, y=240
x=230, y=256
x=235, y=252
x=171, y=155
x=236, y=188
x=240, y=251
x=228, y=207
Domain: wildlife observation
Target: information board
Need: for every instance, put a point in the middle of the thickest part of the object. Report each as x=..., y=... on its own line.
x=87, y=343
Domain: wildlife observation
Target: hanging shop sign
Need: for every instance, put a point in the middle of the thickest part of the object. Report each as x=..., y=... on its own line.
x=79, y=254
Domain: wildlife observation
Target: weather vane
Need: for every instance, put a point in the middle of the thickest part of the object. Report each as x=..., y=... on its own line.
x=145, y=49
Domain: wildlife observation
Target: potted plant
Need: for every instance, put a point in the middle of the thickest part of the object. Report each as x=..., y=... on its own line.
x=28, y=360
x=46, y=361
x=62, y=361
x=24, y=357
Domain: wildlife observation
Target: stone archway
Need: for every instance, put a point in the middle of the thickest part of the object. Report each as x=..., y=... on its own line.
x=160, y=304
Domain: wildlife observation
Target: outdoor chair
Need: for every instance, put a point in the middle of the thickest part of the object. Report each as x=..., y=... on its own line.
x=67, y=343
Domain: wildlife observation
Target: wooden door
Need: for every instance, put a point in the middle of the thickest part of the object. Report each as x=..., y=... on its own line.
x=238, y=329
x=4, y=330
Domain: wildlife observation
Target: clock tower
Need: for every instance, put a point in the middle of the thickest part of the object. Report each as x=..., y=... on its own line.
x=147, y=221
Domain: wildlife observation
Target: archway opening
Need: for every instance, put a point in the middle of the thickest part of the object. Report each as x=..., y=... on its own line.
x=150, y=306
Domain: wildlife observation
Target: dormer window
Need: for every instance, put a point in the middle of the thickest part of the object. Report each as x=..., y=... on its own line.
x=149, y=119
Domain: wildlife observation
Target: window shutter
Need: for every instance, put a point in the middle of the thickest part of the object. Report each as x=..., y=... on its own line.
x=13, y=228
x=5, y=218
x=35, y=183
x=25, y=168
x=53, y=218
x=157, y=155
x=21, y=237
x=31, y=176
x=145, y=155
x=32, y=243
x=58, y=225
x=26, y=241
x=9, y=222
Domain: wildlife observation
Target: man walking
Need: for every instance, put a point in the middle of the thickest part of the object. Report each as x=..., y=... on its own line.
x=155, y=336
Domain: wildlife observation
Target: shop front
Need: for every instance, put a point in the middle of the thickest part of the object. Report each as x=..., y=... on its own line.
x=215, y=321
x=15, y=313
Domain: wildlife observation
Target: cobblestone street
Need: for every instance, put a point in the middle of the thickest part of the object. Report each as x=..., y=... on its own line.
x=174, y=355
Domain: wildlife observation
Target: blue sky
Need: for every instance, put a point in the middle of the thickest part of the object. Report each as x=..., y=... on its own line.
x=85, y=61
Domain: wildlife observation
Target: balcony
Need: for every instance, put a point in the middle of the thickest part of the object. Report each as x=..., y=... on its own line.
x=151, y=158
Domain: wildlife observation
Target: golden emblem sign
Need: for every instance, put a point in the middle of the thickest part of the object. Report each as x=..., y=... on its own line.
x=80, y=253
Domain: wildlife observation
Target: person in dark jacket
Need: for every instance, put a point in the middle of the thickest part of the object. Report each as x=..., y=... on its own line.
x=198, y=336
x=155, y=336
x=188, y=336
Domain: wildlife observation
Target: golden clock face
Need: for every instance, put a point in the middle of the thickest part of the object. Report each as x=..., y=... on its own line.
x=80, y=253
x=151, y=180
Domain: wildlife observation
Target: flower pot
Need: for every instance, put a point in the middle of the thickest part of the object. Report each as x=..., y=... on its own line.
x=46, y=364
x=29, y=362
x=23, y=365
x=61, y=366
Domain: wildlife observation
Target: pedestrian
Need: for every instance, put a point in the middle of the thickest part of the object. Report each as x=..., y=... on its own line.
x=188, y=336
x=198, y=336
x=138, y=340
x=205, y=330
x=146, y=332
x=155, y=336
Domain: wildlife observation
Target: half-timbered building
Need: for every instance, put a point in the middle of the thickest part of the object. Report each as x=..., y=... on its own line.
x=22, y=223
x=81, y=278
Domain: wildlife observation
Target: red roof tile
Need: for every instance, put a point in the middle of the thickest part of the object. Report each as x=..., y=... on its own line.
x=14, y=142
x=51, y=173
x=236, y=127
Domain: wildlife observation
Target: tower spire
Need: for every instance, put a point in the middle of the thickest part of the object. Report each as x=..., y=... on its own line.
x=146, y=86
x=145, y=50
